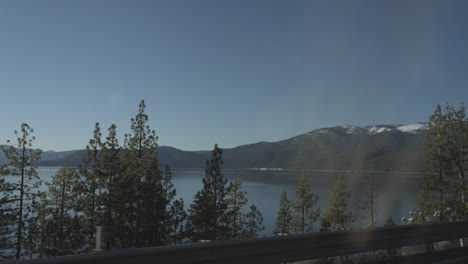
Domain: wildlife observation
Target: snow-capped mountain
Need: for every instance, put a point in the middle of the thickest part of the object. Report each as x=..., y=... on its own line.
x=376, y=129
x=391, y=147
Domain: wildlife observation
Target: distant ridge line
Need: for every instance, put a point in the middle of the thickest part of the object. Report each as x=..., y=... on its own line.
x=393, y=148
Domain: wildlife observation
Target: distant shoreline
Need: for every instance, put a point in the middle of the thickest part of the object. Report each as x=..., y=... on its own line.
x=289, y=170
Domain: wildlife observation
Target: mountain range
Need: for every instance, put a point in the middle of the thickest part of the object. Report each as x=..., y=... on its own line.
x=390, y=147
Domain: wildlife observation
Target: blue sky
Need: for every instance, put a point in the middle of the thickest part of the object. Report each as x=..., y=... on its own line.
x=226, y=72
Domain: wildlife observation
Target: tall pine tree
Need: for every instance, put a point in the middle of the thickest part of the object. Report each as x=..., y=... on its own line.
x=443, y=195
x=338, y=213
x=208, y=212
x=436, y=187
x=457, y=123
x=305, y=208
x=56, y=230
x=283, y=220
x=178, y=220
x=168, y=195
x=90, y=184
x=7, y=217
x=20, y=193
x=147, y=202
x=253, y=223
x=236, y=199
x=110, y=173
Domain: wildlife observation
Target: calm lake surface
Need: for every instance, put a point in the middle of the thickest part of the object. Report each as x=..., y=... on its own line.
x=396, y=192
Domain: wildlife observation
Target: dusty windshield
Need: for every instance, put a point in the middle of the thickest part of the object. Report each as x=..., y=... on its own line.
x=135, y=124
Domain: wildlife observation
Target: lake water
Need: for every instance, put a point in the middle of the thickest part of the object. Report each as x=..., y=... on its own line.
x=396, y=192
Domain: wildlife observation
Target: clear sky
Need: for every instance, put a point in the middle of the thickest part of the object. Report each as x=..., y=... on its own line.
x=227, y=72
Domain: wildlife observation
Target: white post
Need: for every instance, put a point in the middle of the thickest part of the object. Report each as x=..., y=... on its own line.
x=462, y=242
x=98, y=237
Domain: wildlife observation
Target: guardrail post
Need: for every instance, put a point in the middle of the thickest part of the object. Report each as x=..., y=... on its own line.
x=98, y=238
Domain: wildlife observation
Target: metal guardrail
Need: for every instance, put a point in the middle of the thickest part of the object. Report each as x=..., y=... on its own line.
x=276, y=249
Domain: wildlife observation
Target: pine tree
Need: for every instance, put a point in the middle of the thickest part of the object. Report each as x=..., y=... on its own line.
x=283, y=220
x=437, y=184
x=178, y=219
x=110, y=173
x=305, y=211
x=53, y=231
x=427, y=206
x=6, y=217
x=457, y=123
x=137, y=148
x=208, y=211
x=169, y=193
x=443, y=195
x=168, y=186
x=19, y=195
x=143, y=187
x=90, y=184
x=253, y=223
x=152, y=209
x=338, y=213
x=236, y=199
x=128, y=196
x=32, y=233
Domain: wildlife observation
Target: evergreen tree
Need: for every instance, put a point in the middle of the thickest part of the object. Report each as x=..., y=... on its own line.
x=437, y=184
x=338, y=213
x=128, y=195
x=124, y=190
x=145, y=196
x=178, y=219
x=236, y=199
x=169, y=192
x=140, y=147
x=283, y=220
x=168, y=186
x=36, y=235
x=443, y=195
x=208, y=212
x=152, y=210
x=30, y=244
x=18, y=195
x=305, y=211
x=90, y=184
x=110, y=173
x=6, y=218
x=457, y=123
x=427, y=206
x=253, y=223
x=54, y=229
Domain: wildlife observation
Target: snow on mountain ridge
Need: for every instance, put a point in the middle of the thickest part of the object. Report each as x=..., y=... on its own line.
x=377, y=129
x=412, y=128
x=372, y=130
